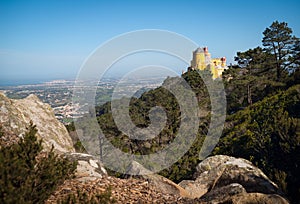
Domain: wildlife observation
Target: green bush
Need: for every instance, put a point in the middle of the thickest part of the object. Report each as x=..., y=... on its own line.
x=26, y=175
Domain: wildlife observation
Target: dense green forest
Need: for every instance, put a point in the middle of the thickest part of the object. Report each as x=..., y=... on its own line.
x=262, y=124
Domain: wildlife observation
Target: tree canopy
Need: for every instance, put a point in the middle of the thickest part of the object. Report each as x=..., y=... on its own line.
x=279, y=41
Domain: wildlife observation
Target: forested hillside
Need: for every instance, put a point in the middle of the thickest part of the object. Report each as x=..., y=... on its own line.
x=268, y=134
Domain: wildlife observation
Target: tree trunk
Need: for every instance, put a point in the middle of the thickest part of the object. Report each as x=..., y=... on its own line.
x=249, y=94
x=100, y=147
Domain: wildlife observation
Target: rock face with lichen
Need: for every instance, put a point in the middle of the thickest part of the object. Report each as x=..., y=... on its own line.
x=228, y=179
x=15, y=116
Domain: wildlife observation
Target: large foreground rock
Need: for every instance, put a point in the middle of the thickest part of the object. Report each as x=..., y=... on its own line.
x=222, y=170
x=15, y=116
x=227, y=179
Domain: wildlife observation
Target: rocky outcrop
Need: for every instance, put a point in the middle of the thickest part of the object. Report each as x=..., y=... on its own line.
x=88, y=167
x=222, y=170
x=212, y=184
x=227, y=179
x=218, y=179
x=224, y=193
x=194, y=189
x=161, y=183
x=15, y=116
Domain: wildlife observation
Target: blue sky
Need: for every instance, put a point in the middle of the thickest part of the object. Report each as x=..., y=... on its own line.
x=41, y=40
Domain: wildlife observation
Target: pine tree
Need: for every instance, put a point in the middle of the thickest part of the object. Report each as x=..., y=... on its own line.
x=279, y=41
x=26, y=174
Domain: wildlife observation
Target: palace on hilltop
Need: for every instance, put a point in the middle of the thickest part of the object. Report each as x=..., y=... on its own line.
x=202, y=60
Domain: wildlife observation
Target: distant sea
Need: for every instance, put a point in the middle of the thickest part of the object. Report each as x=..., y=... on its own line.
x=18, y=83
x=5, y=83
